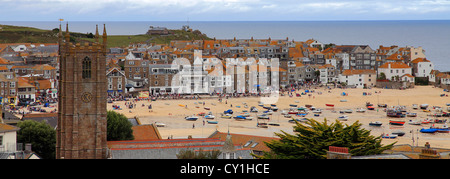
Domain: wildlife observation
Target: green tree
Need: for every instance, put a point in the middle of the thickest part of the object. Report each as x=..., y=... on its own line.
x=118, y=127
x=313, y=138
x=190, y=154
x=41, y=136
x=382, y=76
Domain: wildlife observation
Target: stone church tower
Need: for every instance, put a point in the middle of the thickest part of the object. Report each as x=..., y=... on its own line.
x=81, y=130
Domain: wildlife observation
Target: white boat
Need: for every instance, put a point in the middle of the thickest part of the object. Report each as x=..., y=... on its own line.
x=411, y=114
x=348, y=111
x=246, y=114
x=269, y=112
x=389, y=136
x=191, y=118
x=227, y=116
x=343, y=118
x=209, y=117
x=416, y=122
x=317, y=111
x=263, y=116
x=159, y=124
x=376, y=123
x=249, y=118
x=360, y=110
x=415, y=106
x=423, y=106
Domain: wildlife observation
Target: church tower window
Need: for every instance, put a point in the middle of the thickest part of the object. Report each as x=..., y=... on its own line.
x=86, y=68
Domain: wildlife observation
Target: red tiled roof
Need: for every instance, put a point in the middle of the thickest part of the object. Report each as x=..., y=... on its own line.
x=394, y=65
x=417, y=60
x=145, y=132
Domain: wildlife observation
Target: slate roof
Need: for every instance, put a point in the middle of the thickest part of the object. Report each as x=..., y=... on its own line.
x=167, y=148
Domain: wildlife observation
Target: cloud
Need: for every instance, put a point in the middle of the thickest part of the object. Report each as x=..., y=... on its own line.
x=222, y=9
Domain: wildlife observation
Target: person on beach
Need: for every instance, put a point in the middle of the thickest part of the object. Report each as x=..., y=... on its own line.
x=427, y=145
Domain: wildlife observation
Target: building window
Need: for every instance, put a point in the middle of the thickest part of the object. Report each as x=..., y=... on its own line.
x=86, y=68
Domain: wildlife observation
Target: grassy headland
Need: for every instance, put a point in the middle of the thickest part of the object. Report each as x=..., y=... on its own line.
x=18, y=34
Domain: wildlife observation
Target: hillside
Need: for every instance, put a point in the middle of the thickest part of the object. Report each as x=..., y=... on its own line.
x=18, y=34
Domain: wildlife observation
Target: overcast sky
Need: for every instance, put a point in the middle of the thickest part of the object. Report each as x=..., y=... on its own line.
x=222, y=10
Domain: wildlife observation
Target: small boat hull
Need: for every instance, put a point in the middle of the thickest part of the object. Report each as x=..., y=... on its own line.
x=329, y=105
x=397, y=123
x=375, y=124
x=212, y=122
x=431, y=130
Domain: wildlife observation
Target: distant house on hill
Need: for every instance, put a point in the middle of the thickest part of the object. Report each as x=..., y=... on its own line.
x=157, y=31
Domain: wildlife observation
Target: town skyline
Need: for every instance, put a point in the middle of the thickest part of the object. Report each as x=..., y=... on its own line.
x=227, y=10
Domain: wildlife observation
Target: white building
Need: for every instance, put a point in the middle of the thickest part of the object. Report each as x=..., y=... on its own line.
x=422, y=67
x=392, y=69
x=358, y=78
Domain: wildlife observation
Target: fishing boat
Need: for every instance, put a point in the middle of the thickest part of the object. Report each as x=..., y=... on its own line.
x=274, y=108
x=226, y=116
x=348, y=111
x=267, y=107
x=239, y=118
x=249, y=118
x=343, y=118
x=269, y=112
x=317, y=111
x=430, y=130
x=273, y=124
x=303, y=114
x=427, y=121
x=411, y=114
x=423, y=106
x=293, y=105
x=370, y=108
x=191, y=118
x=382, y=105
x=361, y=110
x=415, y=106
x=389, y=136
x=209, y=117
x=212, y=122
x=159, y=124
x=343, y=100
x=253, y=109
x=329, y=105
x=262, y=125
x=416, y=122
x=443, y=129
x=398, y=123
x=245, y=114
x=229, y=111
x=263, y=116
x=394, y=113
x=207, y=108
x=293, y=112
x=180, y=105
x=298, y=120
x=376, y=123
x=398, y=133
x=287, y=116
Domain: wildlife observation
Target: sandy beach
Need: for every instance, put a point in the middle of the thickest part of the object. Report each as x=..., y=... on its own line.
x=171, y=113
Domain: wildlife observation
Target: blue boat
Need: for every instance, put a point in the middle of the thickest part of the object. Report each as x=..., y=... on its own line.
x=229, y=111
x=213, y=122
x=430, y=130
x=191, y=118
x=239, y=117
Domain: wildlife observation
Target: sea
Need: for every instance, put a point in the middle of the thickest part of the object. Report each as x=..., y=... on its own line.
x=432, y=35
